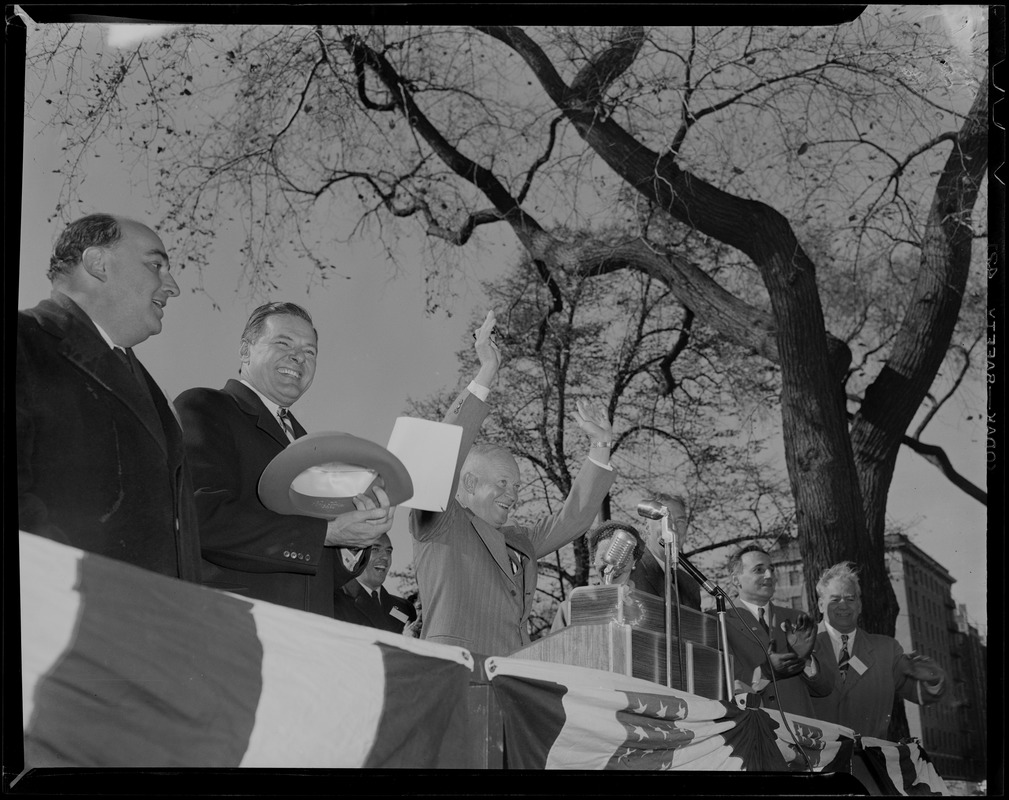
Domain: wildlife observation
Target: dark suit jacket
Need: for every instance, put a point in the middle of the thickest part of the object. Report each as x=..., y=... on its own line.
x=100, y=459
x=792, y=694
x=353, y=604
x=471, y=597
x=230, y=438
x=648, y=576
x=864, y=701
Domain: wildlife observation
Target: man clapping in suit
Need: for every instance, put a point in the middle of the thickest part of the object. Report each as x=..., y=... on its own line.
x=774, y=649
x=476, y=573
x=871, y=668
x=365, y=601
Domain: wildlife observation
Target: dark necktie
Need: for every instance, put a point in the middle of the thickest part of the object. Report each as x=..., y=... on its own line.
x=762, y=620
x=285, y=422
x=842, y=659
x=131, y=363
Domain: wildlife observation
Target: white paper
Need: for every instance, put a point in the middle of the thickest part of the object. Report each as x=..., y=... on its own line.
x=429, y=451
x=857, y=664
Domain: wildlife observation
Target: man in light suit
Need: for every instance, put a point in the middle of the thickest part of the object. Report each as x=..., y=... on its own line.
x=365, y=601
x=872, y=668
x=477, y=574
x=774, y=649
x=231, y=435
x=100, y=458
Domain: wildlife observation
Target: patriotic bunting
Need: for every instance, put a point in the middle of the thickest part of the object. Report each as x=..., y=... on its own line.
x=122, y=667
x=563, y=717
x=902, y=769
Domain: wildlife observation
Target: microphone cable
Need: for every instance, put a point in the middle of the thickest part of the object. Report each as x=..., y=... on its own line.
x=774, y=683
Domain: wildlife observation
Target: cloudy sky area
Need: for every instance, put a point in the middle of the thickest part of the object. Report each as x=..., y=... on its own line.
x=378, y=346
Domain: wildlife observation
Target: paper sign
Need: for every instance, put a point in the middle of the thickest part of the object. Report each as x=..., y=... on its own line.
x=429, y=451
x=857, y=664
x=395, y=613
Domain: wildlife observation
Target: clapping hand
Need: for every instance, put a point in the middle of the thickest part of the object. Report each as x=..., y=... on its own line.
x=801, y=635
x=923, y=668
x=785, y=665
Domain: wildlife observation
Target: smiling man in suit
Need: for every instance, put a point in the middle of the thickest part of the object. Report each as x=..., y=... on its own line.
x=774, y=649
x=476, y=573
x=231, y=436
x=872, y=668
x=100, y=456
x=365, y=601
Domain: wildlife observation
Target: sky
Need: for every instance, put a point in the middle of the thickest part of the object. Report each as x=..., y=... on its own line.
x=378, y=347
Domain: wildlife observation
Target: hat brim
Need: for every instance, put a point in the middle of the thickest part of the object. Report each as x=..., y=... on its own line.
x=277, y=493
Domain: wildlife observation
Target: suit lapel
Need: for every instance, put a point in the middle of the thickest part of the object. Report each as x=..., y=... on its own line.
x=250, y=403
x=363, y=601
x=496, y=542
x=751, y=622
x=83, y=346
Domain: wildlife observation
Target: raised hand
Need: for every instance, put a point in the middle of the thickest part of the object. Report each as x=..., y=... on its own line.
x=487, y=350
x=591, y=418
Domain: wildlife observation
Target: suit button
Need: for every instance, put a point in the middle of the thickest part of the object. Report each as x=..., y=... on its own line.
x=308, y=557
x=301, y=556
x=287, y=554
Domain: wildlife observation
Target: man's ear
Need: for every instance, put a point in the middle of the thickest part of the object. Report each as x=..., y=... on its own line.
x=93, y=261
x=243, y=352
x=468, y=482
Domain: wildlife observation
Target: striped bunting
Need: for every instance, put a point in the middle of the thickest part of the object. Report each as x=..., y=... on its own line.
x=122, y=667
x=572, y=718
x=902, y=769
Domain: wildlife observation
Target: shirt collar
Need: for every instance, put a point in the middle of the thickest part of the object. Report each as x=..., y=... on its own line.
x=835, y=635
x=755, y=610
x=105, y=336
x=365, y=586
x=270, y=405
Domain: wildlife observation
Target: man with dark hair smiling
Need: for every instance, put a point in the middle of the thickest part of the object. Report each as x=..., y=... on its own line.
x=365, y=601
x=232, y=434
x=100, y=458
x=765, y=639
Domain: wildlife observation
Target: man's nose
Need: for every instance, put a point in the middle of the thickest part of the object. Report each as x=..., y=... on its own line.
x=170, y=286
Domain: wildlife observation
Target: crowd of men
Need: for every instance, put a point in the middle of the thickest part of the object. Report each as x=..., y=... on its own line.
x=108, y=464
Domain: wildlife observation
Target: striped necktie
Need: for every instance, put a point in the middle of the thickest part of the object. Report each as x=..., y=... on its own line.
x=842, y=659
x=285, y=422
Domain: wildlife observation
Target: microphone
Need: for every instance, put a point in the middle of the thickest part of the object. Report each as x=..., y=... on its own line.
x=618, y=553
x=654, y=509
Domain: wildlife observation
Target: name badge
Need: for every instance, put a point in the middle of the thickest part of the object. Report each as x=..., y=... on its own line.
x=857, y=664
x=395, y=613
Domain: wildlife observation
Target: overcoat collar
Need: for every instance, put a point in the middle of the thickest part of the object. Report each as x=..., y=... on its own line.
x=83, y=346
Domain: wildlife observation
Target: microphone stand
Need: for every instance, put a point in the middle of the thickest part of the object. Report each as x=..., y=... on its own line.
x=715, y=591
x=672, y=556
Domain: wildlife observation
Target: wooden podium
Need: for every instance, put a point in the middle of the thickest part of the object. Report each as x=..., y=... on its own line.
x=617, y=629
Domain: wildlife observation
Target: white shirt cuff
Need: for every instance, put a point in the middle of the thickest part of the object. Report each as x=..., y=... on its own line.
x=478, y=391
x=600, y=464
x=810, y=669
x=350, y=558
